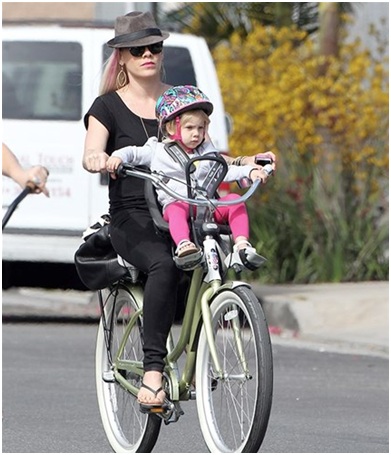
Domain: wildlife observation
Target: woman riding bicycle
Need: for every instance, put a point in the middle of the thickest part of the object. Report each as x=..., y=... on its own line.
x=123, y=115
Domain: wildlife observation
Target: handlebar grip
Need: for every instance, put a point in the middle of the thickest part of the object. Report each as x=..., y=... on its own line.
x=30, y=186
x=268, y=169
x=120, y=170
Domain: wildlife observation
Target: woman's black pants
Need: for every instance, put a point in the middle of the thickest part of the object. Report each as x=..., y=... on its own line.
x=134, y=237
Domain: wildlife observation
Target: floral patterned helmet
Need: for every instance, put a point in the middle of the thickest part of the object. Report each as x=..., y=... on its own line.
x=179, y=99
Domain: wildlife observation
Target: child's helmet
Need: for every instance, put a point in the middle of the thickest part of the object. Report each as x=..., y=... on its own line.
x=179, y=99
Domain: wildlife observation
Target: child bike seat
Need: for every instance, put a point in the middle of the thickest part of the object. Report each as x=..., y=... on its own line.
x=155, y=208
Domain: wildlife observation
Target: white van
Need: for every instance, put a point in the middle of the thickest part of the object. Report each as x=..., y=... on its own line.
x=51, y=76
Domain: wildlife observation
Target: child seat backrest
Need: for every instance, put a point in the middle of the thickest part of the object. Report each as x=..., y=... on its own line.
x=155, y=208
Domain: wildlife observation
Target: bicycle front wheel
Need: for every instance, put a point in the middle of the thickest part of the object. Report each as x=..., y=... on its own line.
x=234, y=405
x=127, y=429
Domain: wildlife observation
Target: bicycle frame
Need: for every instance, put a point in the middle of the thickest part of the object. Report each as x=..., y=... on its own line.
x=206, y=282
x=197, y=312
x=224, y=336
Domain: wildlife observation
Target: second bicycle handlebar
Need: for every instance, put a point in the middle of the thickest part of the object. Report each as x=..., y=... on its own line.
x=30, y=187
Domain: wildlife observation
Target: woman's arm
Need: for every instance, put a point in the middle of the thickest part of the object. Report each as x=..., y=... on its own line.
x=240, y=160
x=95, y=157
x=250, y=160
x=13, y=169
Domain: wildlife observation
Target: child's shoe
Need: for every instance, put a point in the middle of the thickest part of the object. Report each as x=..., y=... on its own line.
x=185, y=247
x=187, y=255
x=244, y=257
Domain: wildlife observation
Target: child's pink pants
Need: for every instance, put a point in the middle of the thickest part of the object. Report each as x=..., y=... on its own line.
x=177, y=216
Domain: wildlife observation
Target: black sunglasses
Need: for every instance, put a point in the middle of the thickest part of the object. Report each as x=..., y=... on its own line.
x=154, y=49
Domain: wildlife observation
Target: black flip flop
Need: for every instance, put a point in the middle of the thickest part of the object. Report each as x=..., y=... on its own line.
x=154, y=408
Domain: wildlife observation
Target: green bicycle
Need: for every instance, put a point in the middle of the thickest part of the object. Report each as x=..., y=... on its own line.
x=228, y=367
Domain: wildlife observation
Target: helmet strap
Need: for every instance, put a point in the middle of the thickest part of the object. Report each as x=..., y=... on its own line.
x=177, y=136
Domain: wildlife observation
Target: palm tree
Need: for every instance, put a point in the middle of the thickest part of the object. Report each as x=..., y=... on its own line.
x=217, y=21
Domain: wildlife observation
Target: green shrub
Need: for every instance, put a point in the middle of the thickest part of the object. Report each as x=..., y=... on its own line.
x=321, y=217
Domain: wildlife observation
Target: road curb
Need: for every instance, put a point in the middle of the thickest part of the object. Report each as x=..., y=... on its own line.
x=350, y=313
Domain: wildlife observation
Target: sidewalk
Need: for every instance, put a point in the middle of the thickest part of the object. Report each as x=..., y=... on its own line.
x=353, y=315
x=349, y=315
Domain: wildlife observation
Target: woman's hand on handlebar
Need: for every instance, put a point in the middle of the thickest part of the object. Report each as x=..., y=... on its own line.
x=258, y=160
x=251, y=160
x=267, y=154
x=262, y=171
x=112, y=166
x=95, y=161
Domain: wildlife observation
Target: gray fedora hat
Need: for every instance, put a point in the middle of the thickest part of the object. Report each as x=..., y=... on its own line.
x=136, y=29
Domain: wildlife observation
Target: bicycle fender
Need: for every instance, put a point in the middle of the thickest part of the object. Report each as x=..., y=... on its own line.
x=229, y=286
x=137, y=293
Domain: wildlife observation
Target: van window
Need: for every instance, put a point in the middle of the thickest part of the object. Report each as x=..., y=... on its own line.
x=178, y=65
x=42, y=80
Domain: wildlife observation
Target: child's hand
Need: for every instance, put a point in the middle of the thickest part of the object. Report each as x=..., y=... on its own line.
x=112, y=165
x=260, y=174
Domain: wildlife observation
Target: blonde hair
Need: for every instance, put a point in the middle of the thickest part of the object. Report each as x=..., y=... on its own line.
x=111, y=70
x=170, y=127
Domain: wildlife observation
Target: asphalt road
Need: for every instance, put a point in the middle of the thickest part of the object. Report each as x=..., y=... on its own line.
x=324, y=402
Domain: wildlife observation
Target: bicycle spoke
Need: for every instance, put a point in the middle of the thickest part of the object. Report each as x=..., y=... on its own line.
x=233, y=412
x=126, y=428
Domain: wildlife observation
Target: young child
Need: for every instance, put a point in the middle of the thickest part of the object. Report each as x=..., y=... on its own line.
x=183, y=114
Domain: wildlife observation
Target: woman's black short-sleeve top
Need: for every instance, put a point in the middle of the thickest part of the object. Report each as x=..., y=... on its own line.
x=125, y=128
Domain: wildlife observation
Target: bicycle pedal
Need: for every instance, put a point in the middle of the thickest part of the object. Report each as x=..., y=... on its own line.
x=154, y=410
x=244, y=259
x=173, y=415
x=164, y=408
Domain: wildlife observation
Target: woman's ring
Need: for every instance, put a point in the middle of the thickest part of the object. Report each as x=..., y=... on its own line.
x=37, y=181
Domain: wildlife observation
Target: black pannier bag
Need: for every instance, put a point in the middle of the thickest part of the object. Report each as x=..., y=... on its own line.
x=96, y=261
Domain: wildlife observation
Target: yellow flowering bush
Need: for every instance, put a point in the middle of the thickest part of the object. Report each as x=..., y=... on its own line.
x=327, y=121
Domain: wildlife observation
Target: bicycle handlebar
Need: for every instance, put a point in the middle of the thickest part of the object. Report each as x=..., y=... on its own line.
x=11, y=208
x=158, y=180
x=29, y=188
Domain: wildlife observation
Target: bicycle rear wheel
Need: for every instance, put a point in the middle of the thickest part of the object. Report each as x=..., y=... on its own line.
x=126, y=428
x=234, y=409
